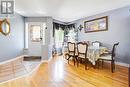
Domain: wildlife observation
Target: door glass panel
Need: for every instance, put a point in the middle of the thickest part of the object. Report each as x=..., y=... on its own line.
x=35, y=33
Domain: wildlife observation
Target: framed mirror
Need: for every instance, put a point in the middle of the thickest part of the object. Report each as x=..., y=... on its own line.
x=5, y=27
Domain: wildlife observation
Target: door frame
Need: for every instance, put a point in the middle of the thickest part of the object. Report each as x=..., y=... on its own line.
x=37, y=49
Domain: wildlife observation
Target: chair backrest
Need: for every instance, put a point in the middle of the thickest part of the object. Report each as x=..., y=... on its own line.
x=71, y=47
x=82, y=48
x=96, y=43
x=114, y=50
x=88, y=42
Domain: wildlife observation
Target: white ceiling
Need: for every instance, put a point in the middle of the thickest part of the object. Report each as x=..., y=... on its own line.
x=66, y=10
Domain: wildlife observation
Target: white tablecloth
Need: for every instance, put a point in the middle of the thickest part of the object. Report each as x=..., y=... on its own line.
x=94, y=53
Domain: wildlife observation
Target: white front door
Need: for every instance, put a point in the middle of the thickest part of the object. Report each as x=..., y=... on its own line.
x=35, y=36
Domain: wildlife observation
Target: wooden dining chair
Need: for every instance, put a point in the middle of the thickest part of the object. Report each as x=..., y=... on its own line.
x=82, y=53
x=97, y=42
x=110, y=56
x=65, y=51
x=71, y=51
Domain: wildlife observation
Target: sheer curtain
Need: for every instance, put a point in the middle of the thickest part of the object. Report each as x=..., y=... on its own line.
x=63, y=34
x=59, y=39
x=72, y=35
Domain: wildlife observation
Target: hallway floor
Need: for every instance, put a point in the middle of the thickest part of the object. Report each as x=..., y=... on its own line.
x=15, y=69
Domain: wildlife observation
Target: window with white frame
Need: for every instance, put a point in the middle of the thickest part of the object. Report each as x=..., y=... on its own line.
x=35, y=33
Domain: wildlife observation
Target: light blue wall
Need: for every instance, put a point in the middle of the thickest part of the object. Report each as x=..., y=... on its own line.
x=118, y=31
x=12, y=45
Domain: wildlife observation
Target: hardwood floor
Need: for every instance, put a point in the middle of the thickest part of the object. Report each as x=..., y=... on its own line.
x=58, y=73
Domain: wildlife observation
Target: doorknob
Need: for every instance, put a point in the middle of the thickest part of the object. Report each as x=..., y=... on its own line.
x=41, y=38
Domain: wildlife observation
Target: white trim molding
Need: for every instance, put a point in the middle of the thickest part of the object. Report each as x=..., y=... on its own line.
x=122, y=64
x=46, y=61
x=12, y=59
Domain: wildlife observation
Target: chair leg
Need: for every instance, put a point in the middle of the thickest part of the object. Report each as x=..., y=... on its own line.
x=97, y=64
x=65, y=56
x=98, y=61
x=77, y=61
x=112, y=66
x=102, y=63
x=74, y=61
x=86, y=61
x=68, y=59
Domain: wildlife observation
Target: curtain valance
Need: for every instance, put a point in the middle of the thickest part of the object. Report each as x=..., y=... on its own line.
x=62, y=26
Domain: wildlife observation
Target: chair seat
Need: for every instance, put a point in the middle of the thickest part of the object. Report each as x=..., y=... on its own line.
x=81, y=56
x=107, y=53
x=71, y=53
x=66, y=52
x=76, y=53
x=106, y=57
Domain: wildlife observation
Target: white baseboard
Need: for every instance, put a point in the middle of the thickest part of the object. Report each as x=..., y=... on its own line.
x=46, y=61
x=12, y=59
x=122, y=64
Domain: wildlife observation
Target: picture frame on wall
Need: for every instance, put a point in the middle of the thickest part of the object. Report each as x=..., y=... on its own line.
x=95, y=25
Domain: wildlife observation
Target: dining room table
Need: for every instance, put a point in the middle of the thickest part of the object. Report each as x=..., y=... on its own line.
x=94, y=52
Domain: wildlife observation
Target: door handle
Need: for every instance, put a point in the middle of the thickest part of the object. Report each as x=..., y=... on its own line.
x=41, y=38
